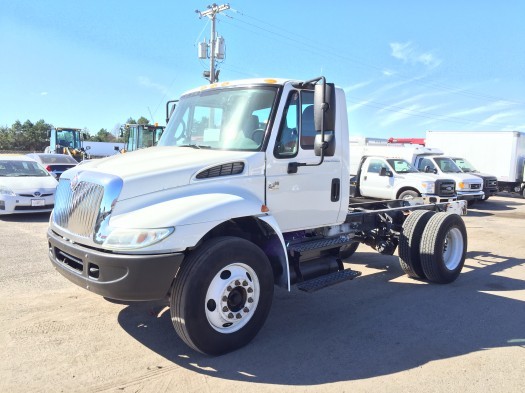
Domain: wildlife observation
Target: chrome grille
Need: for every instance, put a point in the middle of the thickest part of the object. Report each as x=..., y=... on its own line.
x=475, y=186
x=76, y=211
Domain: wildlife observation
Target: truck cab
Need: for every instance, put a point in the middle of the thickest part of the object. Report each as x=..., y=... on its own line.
x=490, y=182
x=468, y=187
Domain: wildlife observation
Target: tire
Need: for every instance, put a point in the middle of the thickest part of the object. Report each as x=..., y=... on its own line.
x=408, y=194
x=410, y=241
x=222, y=295
x=443, y=248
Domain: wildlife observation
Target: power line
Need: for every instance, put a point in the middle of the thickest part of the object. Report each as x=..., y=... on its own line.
x=324, y=49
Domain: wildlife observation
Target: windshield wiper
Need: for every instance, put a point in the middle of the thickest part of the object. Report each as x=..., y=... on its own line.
x=196, y=146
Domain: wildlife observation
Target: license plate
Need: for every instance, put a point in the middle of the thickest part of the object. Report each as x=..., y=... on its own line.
x=38, y=202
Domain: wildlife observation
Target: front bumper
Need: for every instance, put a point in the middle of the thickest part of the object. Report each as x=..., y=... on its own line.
x=490, y=191
x=116, y=276
x=23, y=204
x=471, y=195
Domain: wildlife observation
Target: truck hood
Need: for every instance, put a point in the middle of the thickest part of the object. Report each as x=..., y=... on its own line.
x=160, y=168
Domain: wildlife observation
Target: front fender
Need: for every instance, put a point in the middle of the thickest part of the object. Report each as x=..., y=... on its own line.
x=192, y=216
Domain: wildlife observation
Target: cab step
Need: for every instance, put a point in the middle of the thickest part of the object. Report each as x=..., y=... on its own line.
x=330, y=279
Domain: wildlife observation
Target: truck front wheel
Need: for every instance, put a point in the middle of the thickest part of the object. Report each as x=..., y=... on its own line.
x=409, y=243
x=408, y=194
x=443, y=247
x=222, y=295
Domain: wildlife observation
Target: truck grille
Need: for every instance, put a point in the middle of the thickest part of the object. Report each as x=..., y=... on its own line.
x=475, y=186
x=76, y=208
x=445, y=188
x=491, y=183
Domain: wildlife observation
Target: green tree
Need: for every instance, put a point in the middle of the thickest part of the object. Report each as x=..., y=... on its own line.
x=104, y=136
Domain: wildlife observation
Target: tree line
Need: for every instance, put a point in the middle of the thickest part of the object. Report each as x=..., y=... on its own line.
x=33, y=137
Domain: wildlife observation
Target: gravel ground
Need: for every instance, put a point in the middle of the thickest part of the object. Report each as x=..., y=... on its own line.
x=381, y=332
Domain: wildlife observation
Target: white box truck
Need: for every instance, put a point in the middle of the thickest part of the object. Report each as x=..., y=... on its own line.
x=248, y=188
x=501, y=153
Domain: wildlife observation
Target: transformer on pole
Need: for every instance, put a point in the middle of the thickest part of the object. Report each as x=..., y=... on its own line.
x=216, y=44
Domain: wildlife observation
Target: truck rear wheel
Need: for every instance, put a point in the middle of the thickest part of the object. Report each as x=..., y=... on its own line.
x=222, y=295
x=443, y=247
x=410, y=241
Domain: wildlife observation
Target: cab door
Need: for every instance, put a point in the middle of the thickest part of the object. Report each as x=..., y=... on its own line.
x=310, y=197
x=372, y=183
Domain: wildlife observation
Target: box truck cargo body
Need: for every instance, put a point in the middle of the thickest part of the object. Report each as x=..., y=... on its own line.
x=501, y=153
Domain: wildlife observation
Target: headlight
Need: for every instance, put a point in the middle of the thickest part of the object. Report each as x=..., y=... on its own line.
x=130, y=239
x=428, y=187
x=6, y=191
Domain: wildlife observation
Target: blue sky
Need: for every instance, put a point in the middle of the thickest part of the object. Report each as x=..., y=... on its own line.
x=407, y=66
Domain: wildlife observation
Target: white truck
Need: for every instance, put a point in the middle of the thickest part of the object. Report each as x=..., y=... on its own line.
x=501, y=153
x=430, y=160
x=248, y=188
x=375, y=174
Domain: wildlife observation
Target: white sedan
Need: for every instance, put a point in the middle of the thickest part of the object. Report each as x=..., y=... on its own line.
x=25, y=186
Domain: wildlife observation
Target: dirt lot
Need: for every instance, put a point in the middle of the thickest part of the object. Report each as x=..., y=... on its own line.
x=379, y=333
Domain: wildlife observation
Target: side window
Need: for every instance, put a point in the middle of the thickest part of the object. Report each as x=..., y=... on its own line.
x=307, y=120
x=288, y=139
x=424, y=163
x=374, y=166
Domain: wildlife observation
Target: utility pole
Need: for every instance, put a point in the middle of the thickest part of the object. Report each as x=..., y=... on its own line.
x=216, y=45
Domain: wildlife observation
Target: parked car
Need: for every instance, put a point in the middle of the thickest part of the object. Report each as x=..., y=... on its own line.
x=25, y=186
x=56, y=164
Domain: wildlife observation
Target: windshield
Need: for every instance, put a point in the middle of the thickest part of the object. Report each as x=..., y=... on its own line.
x=401, y=166
x=69, y=138
x=464, y=165
x=223, y=119
x=12, y=168
x=447, y=165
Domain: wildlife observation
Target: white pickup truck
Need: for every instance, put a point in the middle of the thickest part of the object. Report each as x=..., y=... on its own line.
x=248, y=188
x=394, y=178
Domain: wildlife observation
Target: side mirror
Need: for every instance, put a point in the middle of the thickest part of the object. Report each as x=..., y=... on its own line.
x=427, y=169
x=328, y=145
x=324, y=103
x=385, y=172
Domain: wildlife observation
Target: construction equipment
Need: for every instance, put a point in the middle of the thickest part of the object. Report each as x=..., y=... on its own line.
x=140, y=136
x=68, y=141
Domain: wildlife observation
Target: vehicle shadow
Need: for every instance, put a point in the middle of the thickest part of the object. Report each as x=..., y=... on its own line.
x=502, y=207
x=33, y=217
x=375, y=325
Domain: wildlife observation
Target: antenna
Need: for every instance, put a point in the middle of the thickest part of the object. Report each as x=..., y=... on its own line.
x=150, y=115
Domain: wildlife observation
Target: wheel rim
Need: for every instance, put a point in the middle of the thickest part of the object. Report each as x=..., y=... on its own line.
x=408, y=197
x=232, y=298
x=453, y=249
